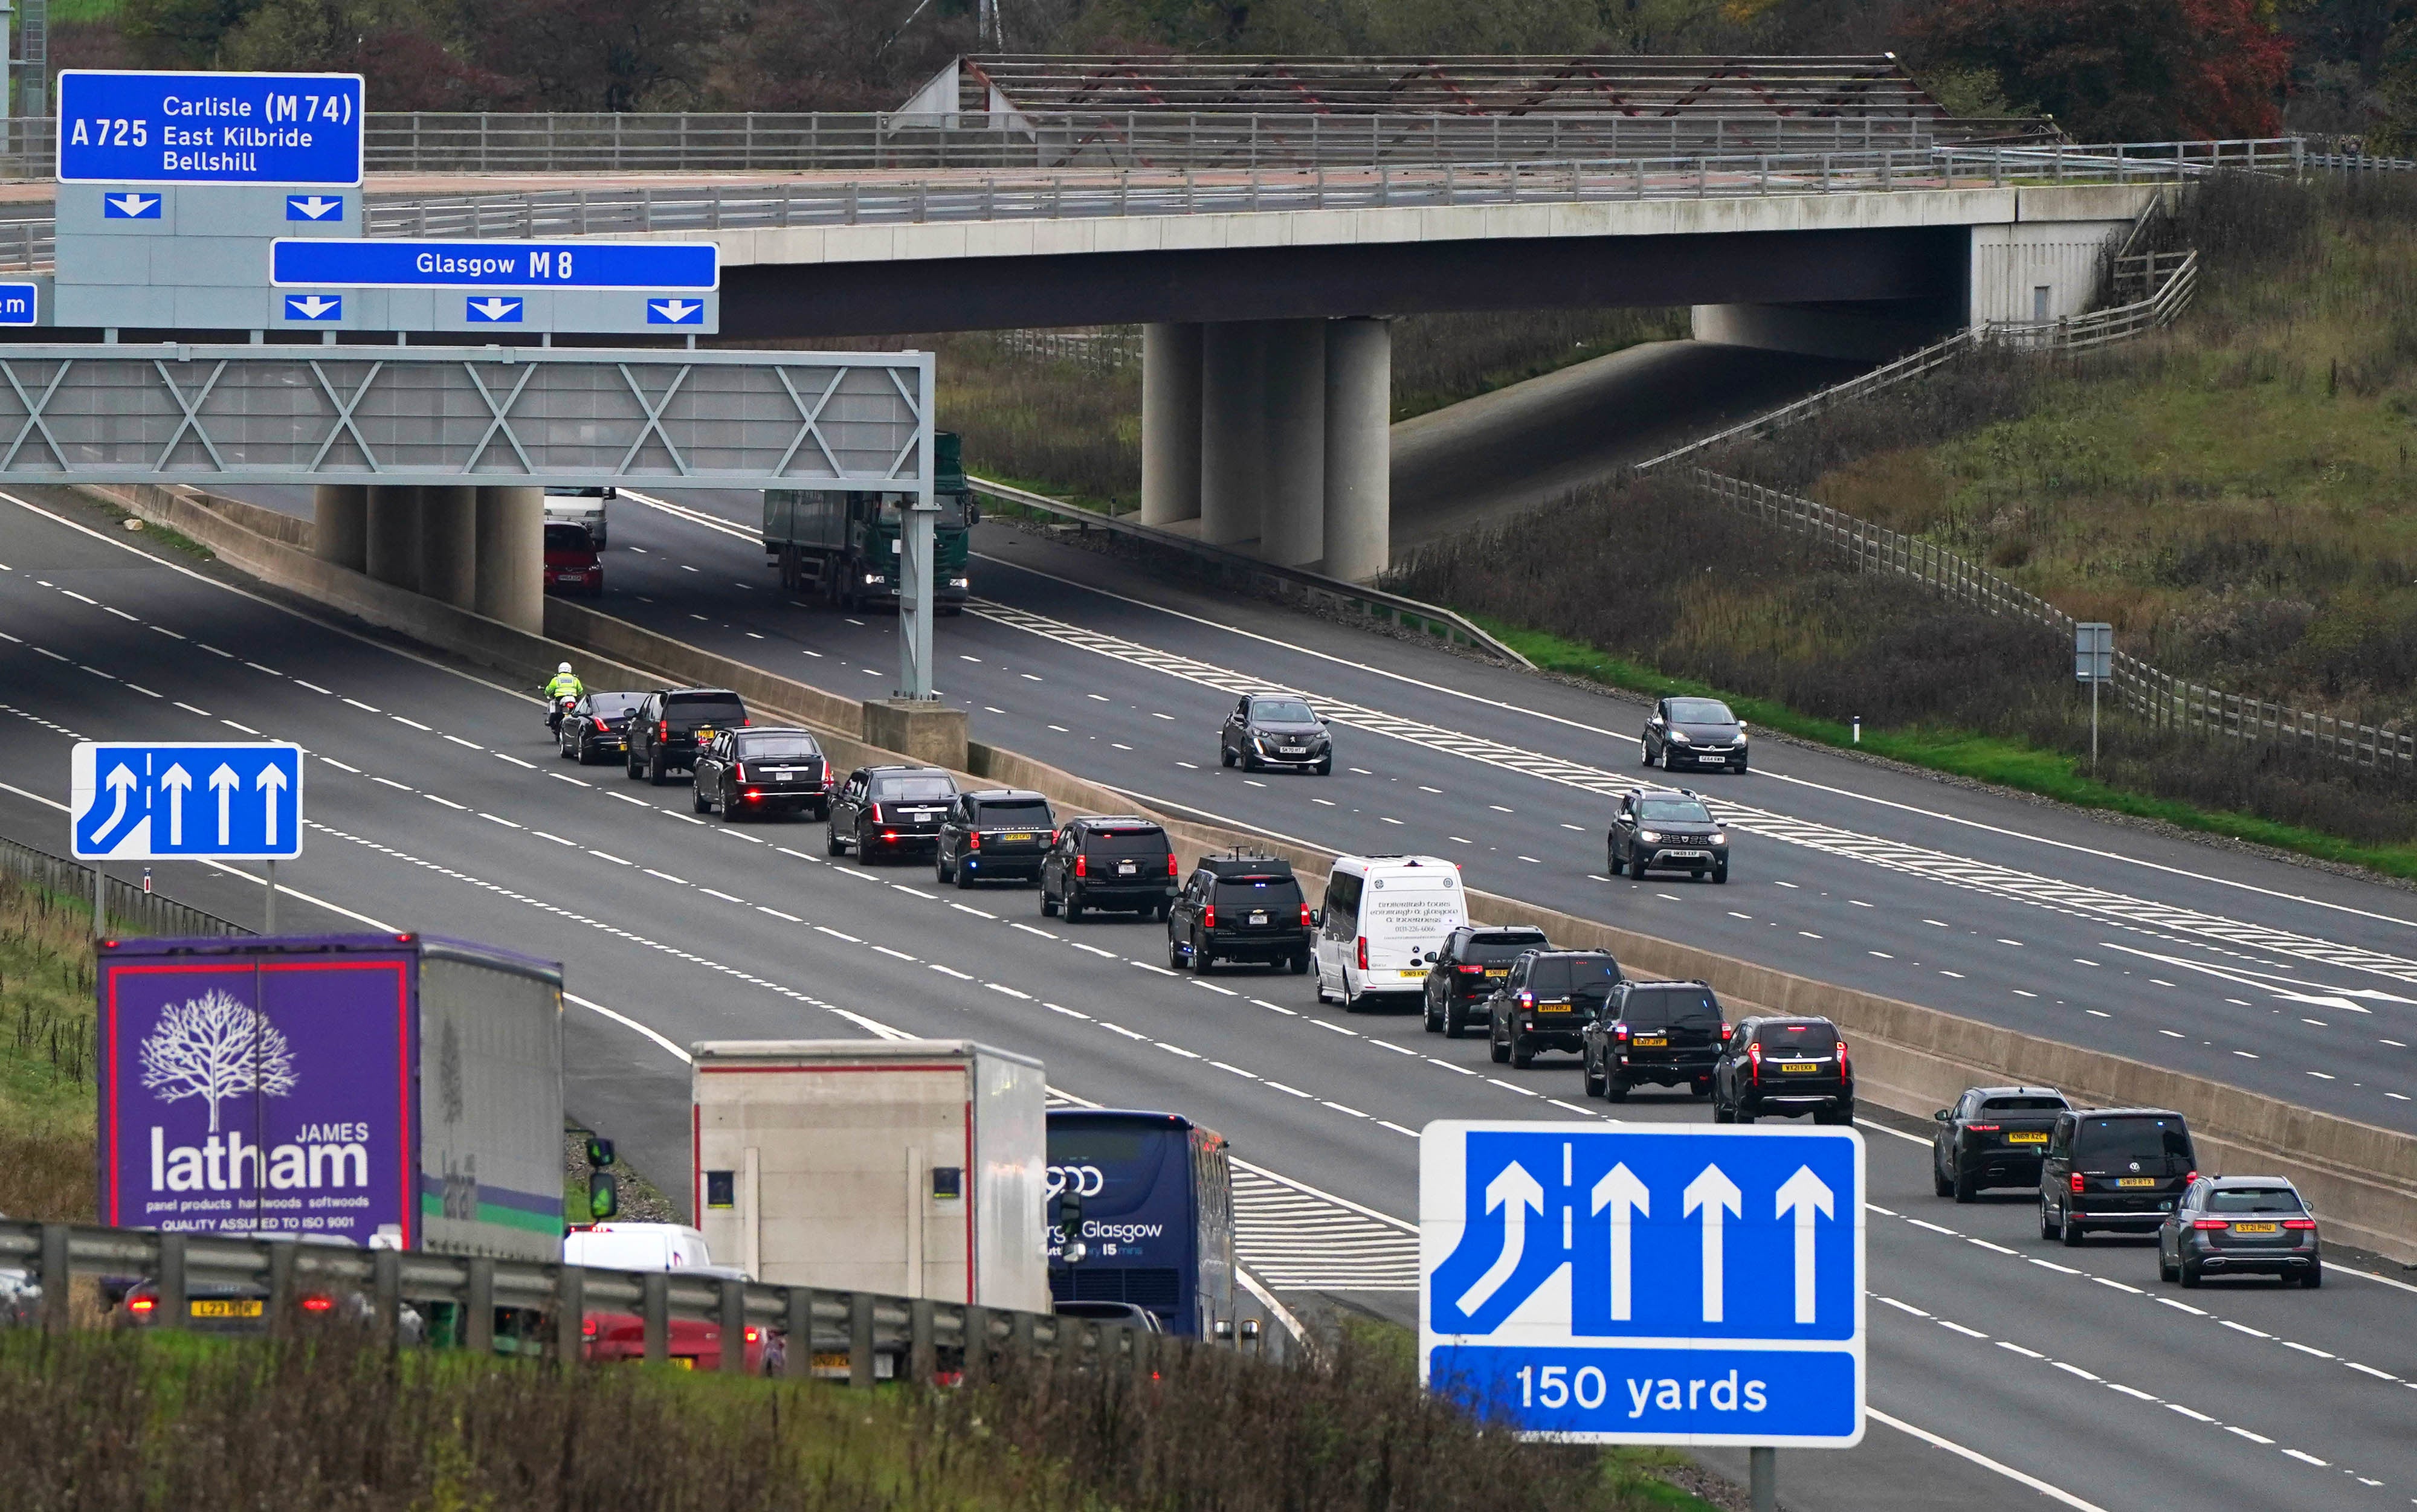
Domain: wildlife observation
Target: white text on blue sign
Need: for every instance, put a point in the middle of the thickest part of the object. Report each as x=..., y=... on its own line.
x=141, y=127
x=382, y=263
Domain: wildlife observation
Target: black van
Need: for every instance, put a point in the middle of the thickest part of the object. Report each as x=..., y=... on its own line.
x=2117, y=1169
x=1238, y=908
x=1109, y=862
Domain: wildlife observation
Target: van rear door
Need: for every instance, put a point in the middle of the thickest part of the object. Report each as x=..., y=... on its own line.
x=1405, y=916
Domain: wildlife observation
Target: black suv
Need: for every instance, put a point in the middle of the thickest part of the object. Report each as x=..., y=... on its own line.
x=994, y=835
x=751, y=771
x=1669, y=1034
x=889, y=811
x=597, y=727
x=1993, y=1137
x=1275, y=730
x=1114, y=861
x=1545, y=1002
x=2119, y=1168
x=1238, y=908
x=1475, y=959
x=1784, y=1066
x=665, y=731
x=1683, y=733
x=1669, y=830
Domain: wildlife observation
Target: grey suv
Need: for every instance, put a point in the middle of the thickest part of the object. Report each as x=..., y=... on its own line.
x=1667, y=830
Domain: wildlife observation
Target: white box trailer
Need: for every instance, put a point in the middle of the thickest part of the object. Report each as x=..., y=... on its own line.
x=908, y=1167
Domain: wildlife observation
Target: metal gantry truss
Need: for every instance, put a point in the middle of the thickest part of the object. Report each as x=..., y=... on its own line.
x=479, y=416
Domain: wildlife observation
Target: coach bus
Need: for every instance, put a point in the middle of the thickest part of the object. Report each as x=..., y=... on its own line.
x=1157, y=1226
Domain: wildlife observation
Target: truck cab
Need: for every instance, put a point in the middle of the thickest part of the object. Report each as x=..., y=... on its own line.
x=843, y=548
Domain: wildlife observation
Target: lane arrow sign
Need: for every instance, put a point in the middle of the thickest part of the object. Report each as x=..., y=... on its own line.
x=1620, y=1191
x=673, y=312
x=494, y=308
x=1714, y=1193
x=1514, y=1192
x=121, y=781
x=311, y=207
x=271, y=782
x=313, y=307
x=177, y=781
x=223, y=782
x=129, y=207
x=1805, y=1193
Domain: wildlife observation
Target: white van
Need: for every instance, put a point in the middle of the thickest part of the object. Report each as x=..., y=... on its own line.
x=637, y=1247
x=1386, y=918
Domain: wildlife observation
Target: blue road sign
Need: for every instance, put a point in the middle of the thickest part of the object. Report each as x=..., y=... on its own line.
x=21, y=304
x=494, y=308
x=129, y=206
x=319, y=307
x=302, y=130
x=382, y=263
x=143, y=803
x=314, y=207
x=1663, y=1283
x=674, y=311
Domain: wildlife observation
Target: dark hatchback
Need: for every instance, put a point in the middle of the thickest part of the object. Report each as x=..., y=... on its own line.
x=1668, y=1034
x=571, y=563
x=596, y=728
x=1475, y=959
x=1695, y=732
x=665, y=731
x=1119, y=863
x=2115, y=1168
x=1993, y=1137
x=753, y=773
x=2241, y=1226
x=889, y=811
x=994, y=835
x=1546, y=1001
x=1663, y=830
x=1238, y=908
x=1784, y=1066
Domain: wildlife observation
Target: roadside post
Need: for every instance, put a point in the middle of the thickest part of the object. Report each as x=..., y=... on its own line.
x=210, y=801
x=2093, y=662
x=1665, y=1284
x=916, y=584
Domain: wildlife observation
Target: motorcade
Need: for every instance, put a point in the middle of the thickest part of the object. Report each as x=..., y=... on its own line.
x=1545, y=1002
x=1784, y=1067
x=595, y=727
x=994, y=835
x=1473, y=962
x=580, y=507
x=1668, y=1033
x=1694, y=732
x=572, y=564
x=889, y=811
x=2241, y=1226
x=2114, y=1170
x=1144, y=1211
x=1272, y=729
x=1993, y=1137
x=1383, y=926
x=666, y=730
x=1238, y=908
x=1115, y=862
x=1662, y=829
x=762, y=771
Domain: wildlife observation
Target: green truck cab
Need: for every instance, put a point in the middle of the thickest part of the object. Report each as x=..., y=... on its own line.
x=843, y=548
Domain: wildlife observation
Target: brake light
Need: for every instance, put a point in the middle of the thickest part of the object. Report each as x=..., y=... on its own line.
x=316, y=1304
x=973, y=840
x=1465, y=971
x=1363, y=952
x=1728, y=1030
x=754, y=1334
x=587, y=1326
x=1982, y=1128
x=738, y=771
x=754, y=793
x=1209, y=917
x=2193, y=1176
x=1082, y=865
x=1170, y=866
x=877, y=814
x=2298, y=1223
x=2077, y=1181
x=1620, y=1031
x=1304, y=915
x=662, y=729
x=140, y=1307
x=1754, y=1063
x=888, y=834
x=2210, y=1223
x=1842, y=1057
x=1526, y=1000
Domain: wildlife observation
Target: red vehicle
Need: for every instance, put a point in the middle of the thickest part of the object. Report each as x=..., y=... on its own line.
x=571, y=565
x=694, y=1344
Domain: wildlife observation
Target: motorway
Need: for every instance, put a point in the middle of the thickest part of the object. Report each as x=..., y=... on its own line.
x=1999, y=1365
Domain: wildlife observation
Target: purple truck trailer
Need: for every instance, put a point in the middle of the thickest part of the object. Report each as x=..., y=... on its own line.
x=396, y=1089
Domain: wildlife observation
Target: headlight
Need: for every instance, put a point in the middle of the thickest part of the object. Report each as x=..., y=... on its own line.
x=1740, y=737
x=1720, y=836
x=1680, y=737
x=1650, y=837
x=958, y=583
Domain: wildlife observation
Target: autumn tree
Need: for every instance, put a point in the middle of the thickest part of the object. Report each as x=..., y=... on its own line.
x=2122, y=70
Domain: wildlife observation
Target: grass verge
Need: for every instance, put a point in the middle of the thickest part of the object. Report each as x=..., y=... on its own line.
x=46, y=1072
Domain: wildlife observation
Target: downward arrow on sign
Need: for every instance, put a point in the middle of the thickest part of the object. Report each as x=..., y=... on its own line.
x=495, y=309
x=317, y=206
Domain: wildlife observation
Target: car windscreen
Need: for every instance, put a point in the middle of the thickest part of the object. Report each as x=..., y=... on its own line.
x=614, y=706
x=720, y=710
x=1567, y=975
x=568, y=538
x=1123, y=843
x=2254, y=1200
x=2022, y=1105
x=1279, y=893
x=1701, y=711
x=1498, y=951
x=1673, y=811
x=1798, y=1038
x=1019, y=813
x=777, y=748
x=914, y=786
x=2153, y=1143
x=1282, y=711
x=1669, y=1007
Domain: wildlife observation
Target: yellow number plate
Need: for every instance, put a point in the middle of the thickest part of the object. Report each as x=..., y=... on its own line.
x=1414, y=975
x=224, y=1307
x=1799, y=1066
x=2135, y=1181
x=1025, y=835
x=1498, y=971
x=683, y=1362
x=1656, y=1043
x=2025, y=1139
x=2256, y=1228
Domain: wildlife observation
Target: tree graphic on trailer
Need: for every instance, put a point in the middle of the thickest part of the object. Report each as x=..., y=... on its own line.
x=216, y=1047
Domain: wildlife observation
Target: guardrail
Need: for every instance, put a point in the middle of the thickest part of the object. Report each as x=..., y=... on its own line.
x=1290, y=582
x=919, y=1336
x=146, y=913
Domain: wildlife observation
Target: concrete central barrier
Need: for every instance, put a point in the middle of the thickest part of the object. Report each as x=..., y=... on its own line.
x=2361, y=1179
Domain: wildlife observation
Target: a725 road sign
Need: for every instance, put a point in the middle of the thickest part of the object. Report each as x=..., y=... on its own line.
x=146, y=802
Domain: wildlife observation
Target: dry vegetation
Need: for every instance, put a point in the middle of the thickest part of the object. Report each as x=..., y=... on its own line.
x=46, y=1073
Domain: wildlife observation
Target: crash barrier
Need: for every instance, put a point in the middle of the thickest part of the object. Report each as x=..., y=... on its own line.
x=1909, y=1058
x=820, y=1331
x=132, y=910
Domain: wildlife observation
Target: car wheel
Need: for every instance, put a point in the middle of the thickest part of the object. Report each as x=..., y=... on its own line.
x=1965, y=1187
x=2190, y=1275
x=1702, y=1089
x=2069, y=1232
x=2166, y=1270
x=1594, y=1080
x=832, y=845
x=1721, y=873
x=1615, y=1089
x=1738, y=769
x=1074, y=908
x=2316, y=1277
x=1497, y=1048
x=1174, y=955
x=958, y=874
x=1941, y=1183
x=1455, y=1025
x=2049, y=1227
x=939, y=868
x=1048, y=904
x=1324, y=767
x=1225, y=755
x=1434, y=1022
x=656, y=772
x=1644, y=749
x=697, y=800
x=865, y=856
x=1745, y=1117
x=630, y=760
x=1636, y=866
x=1669, y=758
x=562, y=748
x=1723, y=1114
x=1523, y=1052
x=1250, y=762
x=1201, y=958
x=1300, y=964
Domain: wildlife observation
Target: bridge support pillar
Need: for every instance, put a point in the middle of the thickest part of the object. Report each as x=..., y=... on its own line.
x=1359, y=449
x=339, y=524
x=510, y=536
x=1292, y=513
x=1233, y=430
x=1170, y=423
x=448, y=560
x=390, y=543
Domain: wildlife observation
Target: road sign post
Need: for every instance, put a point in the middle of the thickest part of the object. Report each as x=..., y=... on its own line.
x=1670, y=1284
x=2093, y=662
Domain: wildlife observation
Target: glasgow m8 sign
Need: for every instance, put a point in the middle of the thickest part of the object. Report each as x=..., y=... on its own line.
x=303, y=130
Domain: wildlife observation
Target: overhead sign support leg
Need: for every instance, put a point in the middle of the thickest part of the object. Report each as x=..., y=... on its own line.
x=914, y=585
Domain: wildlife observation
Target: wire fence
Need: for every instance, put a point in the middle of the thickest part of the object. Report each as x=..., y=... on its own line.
x=136, y=912
x=1093, y=348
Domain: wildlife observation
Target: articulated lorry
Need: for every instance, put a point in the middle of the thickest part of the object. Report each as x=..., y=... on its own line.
x=843, y=547
x=390, y=1089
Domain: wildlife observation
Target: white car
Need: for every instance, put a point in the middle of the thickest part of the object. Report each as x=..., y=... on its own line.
x=1384, y=921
